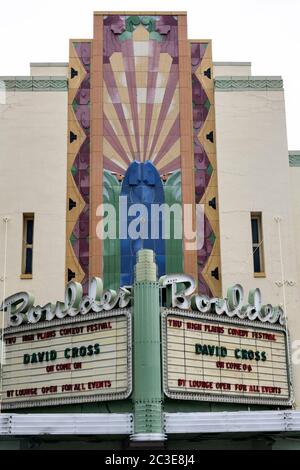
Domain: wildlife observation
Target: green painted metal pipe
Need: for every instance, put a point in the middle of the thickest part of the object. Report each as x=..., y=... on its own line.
x=147, y=390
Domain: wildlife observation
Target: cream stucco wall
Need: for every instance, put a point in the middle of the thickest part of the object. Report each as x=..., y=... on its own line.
x=253, y=175
x=33, y=155
x=222, y=69
x=294, y=174
x=49, y=69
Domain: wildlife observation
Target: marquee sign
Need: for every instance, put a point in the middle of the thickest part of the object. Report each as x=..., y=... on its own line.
x=20, y=308
x=221, y=359
x=84, y=359
x=179, y=292
x=78, y=350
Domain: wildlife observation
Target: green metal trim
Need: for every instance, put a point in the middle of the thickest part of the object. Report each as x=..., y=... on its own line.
x=147, y=390
x=49, y=64
x=111, y=246
x=34, y=84
x=232, y=64
x=248, y=83
x=174, y=247
x=294, y=158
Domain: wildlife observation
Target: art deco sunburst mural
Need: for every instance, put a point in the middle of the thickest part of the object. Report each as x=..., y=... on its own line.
x=138, y=128
x=140, y=125
x=141, y=93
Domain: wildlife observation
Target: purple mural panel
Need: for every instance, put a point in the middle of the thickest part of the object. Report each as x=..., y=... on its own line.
x=135, y=127
x=81, y=166
x=203, y=168
x=140, y=109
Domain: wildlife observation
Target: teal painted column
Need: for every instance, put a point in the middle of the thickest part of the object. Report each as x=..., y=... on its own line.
x=147, y=389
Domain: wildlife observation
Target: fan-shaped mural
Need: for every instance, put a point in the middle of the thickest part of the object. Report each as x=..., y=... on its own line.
x=141, y=92
x=141, y=127
x=150, y=104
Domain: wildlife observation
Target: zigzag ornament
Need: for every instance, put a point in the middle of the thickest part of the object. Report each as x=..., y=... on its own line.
x=206, y=189
x=78, y=184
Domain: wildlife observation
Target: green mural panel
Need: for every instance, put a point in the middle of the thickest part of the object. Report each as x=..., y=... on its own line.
x=174, y=251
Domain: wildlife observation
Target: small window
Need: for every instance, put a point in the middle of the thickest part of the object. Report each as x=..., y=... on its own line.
x=257, y=244
x=28, y=228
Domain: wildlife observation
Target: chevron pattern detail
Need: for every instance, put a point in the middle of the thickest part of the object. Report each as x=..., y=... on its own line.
x=206, y=190
x=78, y=180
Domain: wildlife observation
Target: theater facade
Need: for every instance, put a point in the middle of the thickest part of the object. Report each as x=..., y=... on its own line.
x=150, y=258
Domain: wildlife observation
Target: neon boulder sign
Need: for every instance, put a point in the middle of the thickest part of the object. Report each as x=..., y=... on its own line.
x=178, y=291
x=20, y=307
x=180, y=294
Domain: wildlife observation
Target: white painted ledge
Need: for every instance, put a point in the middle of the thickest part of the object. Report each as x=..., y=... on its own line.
x=175, y=423
x=67, y=424
x=237, y=421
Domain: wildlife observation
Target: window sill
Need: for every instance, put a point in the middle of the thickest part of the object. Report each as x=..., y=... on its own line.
x=26, y=276
x=260, y=275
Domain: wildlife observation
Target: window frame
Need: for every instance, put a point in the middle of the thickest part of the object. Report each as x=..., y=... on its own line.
x=259, y=245
x=27, y=216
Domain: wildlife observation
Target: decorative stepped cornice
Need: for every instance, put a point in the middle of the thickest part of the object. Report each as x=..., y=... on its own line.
x=38, y=83
x=241, y=83
x=294, y=158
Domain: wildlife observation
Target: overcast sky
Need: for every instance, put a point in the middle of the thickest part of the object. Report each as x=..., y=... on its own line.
x=265, y=32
